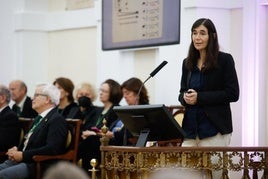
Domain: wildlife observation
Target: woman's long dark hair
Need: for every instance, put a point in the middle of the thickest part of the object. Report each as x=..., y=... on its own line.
x=212, y=49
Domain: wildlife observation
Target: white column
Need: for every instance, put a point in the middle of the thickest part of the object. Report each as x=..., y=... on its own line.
x=254, y=89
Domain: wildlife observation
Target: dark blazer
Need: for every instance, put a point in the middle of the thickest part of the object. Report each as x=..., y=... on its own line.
x=220, y=87
x=27, y=111
x=9, y=129
x=71, y=111
x=90, y=117
x=48, y=138
x=90, y=147
x=110, y=117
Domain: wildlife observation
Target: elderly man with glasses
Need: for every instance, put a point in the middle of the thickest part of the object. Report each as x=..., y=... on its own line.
x=47, y=135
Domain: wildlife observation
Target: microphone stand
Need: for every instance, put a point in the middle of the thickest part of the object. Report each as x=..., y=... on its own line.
x=138, y=94
x=151, y=75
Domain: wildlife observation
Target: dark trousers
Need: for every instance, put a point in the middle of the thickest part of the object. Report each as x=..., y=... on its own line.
x=88, y=149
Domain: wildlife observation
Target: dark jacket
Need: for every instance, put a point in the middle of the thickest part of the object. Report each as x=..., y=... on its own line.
x=220, y=87
x=90, y=147
x=48, y=138
x=90, y=116
x=27, y=111
x=110, y=117
x=71, y=111
x=9, y=129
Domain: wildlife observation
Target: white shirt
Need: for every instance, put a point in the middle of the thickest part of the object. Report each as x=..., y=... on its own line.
x=21, y=104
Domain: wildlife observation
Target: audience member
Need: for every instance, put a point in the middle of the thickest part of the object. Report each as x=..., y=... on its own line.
x=65, y=170
x=47, y=135
x=86, y=89
x=67, y=107
x=89, y=147
x=85, y=95
x=23, y=103
x=9, y=123
x=89, y=112
x=131, y=89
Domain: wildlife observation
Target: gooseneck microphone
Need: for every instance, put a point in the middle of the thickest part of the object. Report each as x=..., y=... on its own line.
x=156, y=70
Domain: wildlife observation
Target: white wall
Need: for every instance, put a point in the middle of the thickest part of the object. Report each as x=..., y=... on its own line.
x=261, y=77
x=73, y=55
x=40, y=41
x=7, y=42
x=254, y=73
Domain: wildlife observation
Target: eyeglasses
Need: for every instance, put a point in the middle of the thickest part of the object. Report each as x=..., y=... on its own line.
x=103, y=91
x=39, y=94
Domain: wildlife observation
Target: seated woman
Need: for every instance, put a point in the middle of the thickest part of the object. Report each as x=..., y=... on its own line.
x=110, y=95
x=85, y=95
x=130, y=89
x=67, y=107
x=85, y=89
x=119, y=134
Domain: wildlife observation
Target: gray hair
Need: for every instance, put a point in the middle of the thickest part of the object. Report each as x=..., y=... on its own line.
x=5, y=91
x=52, y=92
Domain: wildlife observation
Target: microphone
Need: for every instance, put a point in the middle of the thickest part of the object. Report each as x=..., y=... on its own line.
x=150, y=76
x=158, y=68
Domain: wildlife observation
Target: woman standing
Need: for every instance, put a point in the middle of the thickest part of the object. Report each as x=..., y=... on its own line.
x=208, y=84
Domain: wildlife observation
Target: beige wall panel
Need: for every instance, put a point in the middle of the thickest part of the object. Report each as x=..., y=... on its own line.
x=144, y=64
x=72, y=54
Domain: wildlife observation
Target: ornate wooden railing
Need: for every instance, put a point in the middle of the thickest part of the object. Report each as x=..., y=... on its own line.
x=138, y=162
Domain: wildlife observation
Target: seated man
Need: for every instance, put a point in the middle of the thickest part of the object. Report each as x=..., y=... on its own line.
x=47, y=135
x=9, y=123
x=23, y=103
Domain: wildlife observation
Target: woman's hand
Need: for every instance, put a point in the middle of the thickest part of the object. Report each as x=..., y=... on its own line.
x=87, y=133
x=108, y=134
x=190, y=97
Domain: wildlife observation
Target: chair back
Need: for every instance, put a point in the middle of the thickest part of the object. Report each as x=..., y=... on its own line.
x=72, y=142
x=178, y=113
x=25, y=124
x=73, y=137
